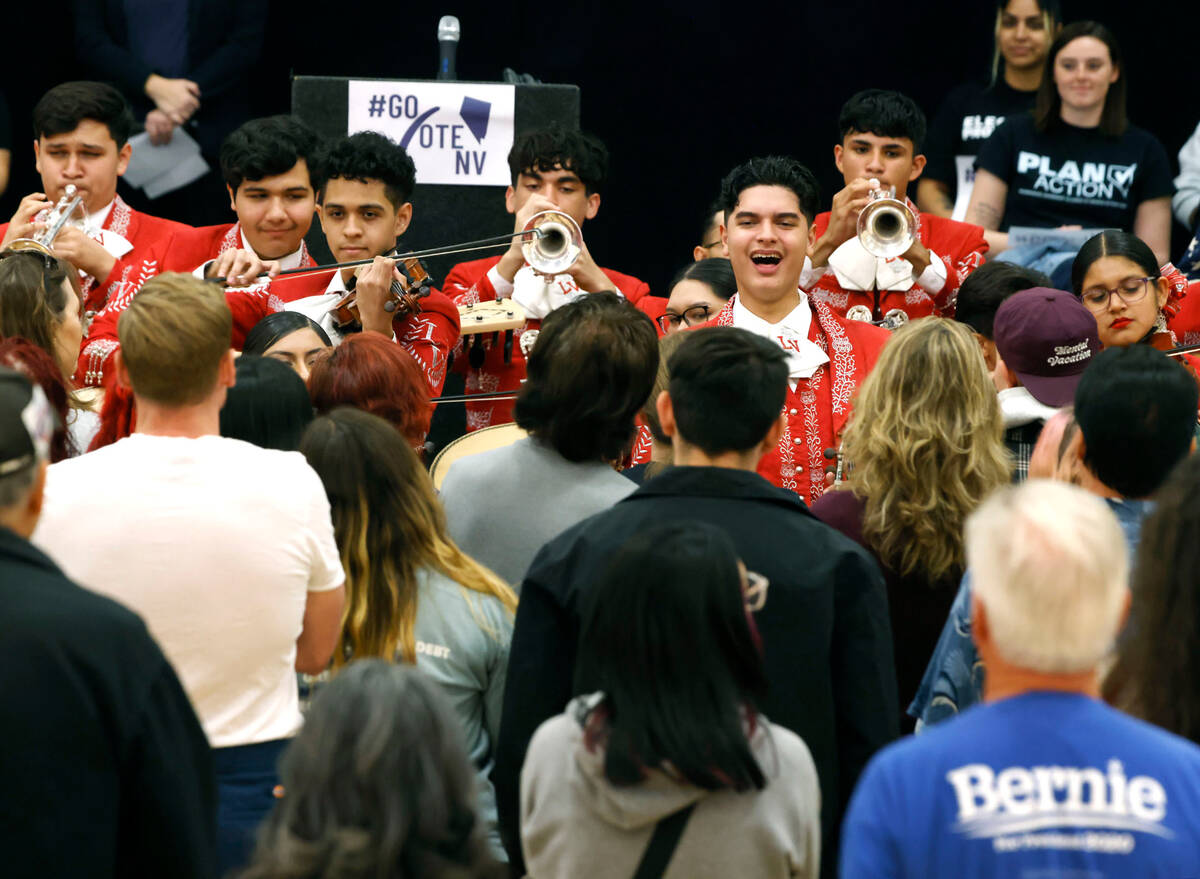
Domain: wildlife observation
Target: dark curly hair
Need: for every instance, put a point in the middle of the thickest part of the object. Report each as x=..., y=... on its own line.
x=365, y=156
x=549, y=149
x=771, y=171
x=588, y=375
x=266, y=147
x=62, y=108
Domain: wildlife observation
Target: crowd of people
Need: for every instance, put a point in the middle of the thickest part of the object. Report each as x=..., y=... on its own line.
x=712, y=574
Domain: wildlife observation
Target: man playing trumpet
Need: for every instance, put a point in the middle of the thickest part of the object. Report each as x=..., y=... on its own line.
x=882, y=134
x=552, y=169
x=82, y=139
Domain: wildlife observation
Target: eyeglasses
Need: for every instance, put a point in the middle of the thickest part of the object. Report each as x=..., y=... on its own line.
x=1129, y=291
x=755, y=593
x=693, y=316
x=712, y=244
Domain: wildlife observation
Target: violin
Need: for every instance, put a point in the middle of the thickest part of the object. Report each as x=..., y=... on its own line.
x=404, y=296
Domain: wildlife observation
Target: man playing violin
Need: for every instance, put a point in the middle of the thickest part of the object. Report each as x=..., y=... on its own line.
x=364, y=184
x=82, y=139
x=552, y=169
x=882, y=134
x=266, y=165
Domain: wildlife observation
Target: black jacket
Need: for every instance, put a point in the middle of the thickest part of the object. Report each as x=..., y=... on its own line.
x=225, y=40
x=826, y=637
x=107, y=772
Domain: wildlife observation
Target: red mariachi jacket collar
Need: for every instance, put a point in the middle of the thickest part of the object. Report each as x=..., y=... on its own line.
x=233, y=239
x=847, y=367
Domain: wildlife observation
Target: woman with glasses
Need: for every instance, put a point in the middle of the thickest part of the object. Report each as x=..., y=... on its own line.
x=698, y=292
x=667, y=768
x=924, y=447
x=1117, y=277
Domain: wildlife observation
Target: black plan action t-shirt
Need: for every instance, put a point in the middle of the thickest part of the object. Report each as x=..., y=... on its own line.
x=966, y=119
x=1070, y=175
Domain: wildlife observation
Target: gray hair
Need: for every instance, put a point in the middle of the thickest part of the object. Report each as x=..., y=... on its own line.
x=378, y=784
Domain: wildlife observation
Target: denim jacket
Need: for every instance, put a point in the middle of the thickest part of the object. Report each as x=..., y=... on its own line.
x=954, y=678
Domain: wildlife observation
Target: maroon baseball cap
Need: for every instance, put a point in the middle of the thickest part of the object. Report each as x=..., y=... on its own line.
x=1048, y=339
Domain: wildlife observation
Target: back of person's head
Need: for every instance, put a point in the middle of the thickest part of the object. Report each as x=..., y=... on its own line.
x=388, y=524
x=557, y=147
x=268, y=406
x=772, y=171
x=727, y=388
x=1112, y=242
x=987, y=287
x=33, y=298
x=61, y=109
x=1047, y=112
x=367, y=155
x=27, y=424
x=266, y=147
x=1136, y=409
x=667, y=347
x=39, y=367
x=666, y=638
x=372, y=373
x=716, y=272
x=278, y=324
x=1049, y=565
x=883, y=113
x=924, y=453
x=588, y=374
x=376, y=783
x=710, y=231
x=1163, y=640
x=173, y=336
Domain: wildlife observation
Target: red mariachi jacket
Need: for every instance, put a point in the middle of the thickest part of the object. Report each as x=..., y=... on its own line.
x=818, y=408
x=960, y=246
x=190, y=249
x=467, y=284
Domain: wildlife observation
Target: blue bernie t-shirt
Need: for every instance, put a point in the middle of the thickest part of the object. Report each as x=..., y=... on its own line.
x=1036, y=786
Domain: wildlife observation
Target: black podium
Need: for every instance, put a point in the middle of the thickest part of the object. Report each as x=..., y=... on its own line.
x=442, y=214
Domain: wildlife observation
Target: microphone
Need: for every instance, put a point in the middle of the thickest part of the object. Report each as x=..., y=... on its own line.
x=447, y=34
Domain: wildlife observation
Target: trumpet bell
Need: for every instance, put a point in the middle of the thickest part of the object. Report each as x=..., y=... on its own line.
x=28, y=244
x=555, y=242
x=886, y=226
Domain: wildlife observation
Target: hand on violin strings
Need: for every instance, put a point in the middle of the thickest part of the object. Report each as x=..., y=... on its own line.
x=241, y=268
x=373, y=290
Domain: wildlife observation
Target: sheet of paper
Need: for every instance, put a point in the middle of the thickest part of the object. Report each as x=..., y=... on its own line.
x=191, y=168
x=148, y=162
x=1063, y=239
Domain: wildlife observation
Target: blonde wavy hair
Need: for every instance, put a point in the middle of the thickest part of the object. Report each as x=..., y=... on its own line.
x=388, y=525
x=925, y=446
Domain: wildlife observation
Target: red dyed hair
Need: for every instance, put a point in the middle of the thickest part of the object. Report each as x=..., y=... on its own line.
x=43, y=370
x=373, y=373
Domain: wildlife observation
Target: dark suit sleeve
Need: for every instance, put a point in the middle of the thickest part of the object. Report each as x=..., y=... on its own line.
x=864, y=672
x=100, y=53
x=168, y=795
x=541, y=667
x=226, y=67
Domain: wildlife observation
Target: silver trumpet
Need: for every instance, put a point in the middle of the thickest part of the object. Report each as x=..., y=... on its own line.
x=555, y=242
x=887, y=227
x=55, y=219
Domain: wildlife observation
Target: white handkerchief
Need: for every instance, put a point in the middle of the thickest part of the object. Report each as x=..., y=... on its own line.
x=116, y=245
x=791, y=334
x=858, y=270
x=537, y=296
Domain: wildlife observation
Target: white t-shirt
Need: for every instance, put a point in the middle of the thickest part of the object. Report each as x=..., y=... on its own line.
x=216, y=543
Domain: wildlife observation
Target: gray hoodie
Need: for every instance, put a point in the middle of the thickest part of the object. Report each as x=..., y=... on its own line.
x=574, y=822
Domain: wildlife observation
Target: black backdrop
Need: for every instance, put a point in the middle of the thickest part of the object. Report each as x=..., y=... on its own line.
x=679, y=92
